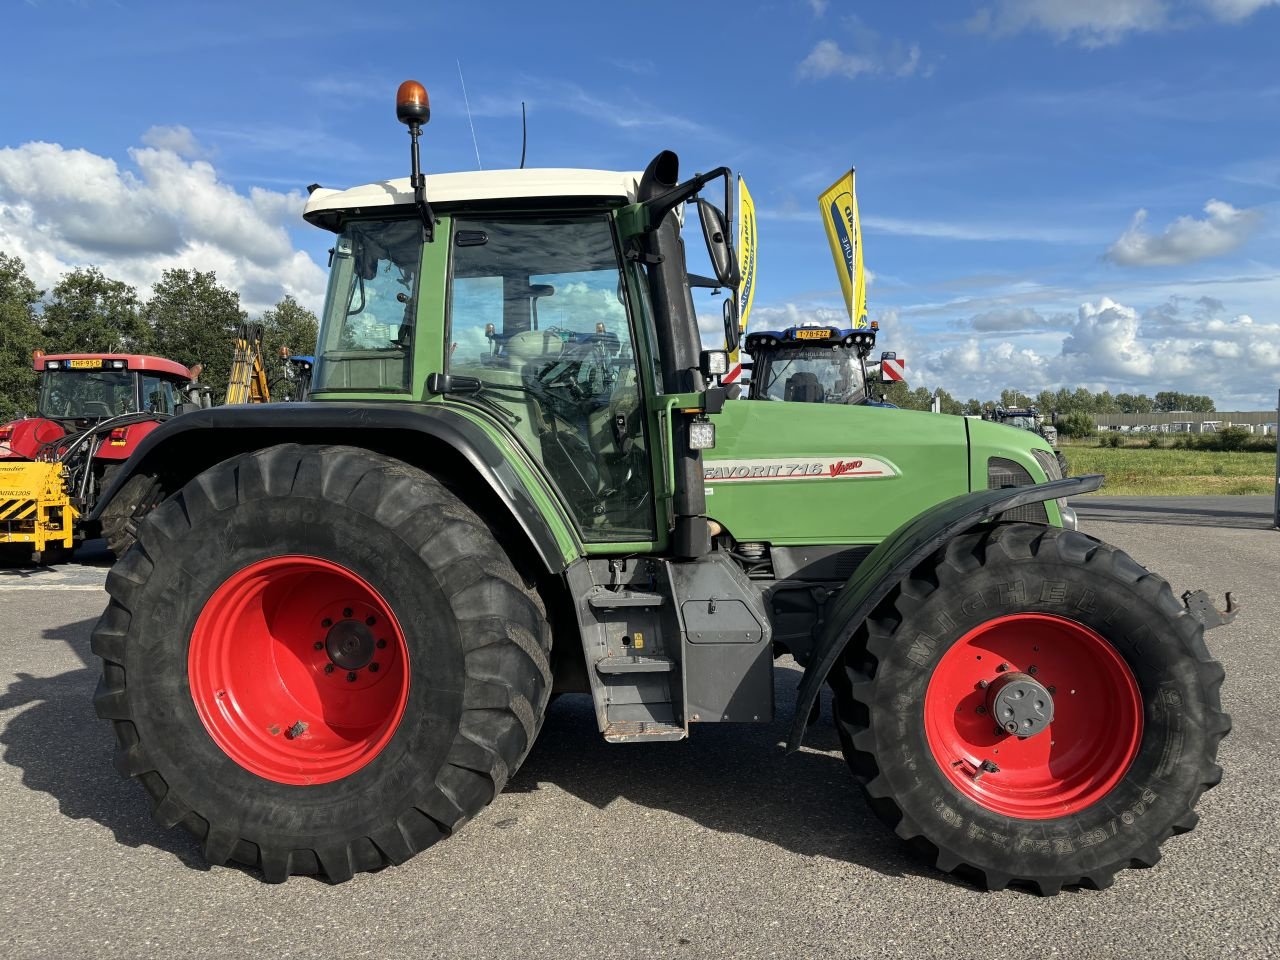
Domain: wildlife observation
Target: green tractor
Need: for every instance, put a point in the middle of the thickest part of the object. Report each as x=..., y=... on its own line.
x=337, y=634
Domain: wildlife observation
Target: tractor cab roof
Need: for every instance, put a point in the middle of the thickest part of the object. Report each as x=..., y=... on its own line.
x=552, y=186
x=110, y=361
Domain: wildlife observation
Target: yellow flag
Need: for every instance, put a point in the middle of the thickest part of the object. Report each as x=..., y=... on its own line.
x=839, y=205
x=747, y=247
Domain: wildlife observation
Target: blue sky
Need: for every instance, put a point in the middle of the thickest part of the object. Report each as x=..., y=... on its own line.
x=1005, y=150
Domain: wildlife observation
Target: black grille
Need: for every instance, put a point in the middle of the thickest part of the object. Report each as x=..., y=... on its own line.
x=1003, y=473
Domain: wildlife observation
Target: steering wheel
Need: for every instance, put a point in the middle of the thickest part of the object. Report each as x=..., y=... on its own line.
x=97, y=406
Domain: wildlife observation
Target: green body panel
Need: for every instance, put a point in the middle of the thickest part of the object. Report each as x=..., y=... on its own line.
x=928, y=452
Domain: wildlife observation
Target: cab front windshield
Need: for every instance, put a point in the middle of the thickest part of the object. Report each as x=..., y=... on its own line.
x=86, y=395
x=809, y=375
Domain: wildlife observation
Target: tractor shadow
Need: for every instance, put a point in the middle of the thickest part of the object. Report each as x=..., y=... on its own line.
x=731, y=778
x=64, y=750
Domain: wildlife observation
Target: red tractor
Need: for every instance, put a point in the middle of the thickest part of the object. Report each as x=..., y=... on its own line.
x=93, y=410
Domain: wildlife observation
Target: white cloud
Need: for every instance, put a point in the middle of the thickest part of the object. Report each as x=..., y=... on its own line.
x=1235, y=10
x=1099, y=23
x=179, y=140
x=1189, y=345
x=1008, y=319
x=1223, y=229
x=819, y=7
x=870, y=54
x=61, y=208
x=828, y=60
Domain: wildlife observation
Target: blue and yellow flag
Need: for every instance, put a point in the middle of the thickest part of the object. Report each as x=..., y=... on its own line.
x=839, y=205
x=747, y=248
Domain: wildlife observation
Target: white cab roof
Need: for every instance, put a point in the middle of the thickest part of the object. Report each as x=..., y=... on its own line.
x=482, y=185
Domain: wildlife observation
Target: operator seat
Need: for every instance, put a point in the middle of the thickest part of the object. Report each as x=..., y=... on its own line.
x=803, y=388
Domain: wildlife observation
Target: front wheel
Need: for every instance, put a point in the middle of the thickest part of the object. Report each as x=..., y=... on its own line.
x=319, y=660
x=1031, y=706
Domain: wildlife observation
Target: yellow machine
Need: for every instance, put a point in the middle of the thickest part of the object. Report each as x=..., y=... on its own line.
x=35, y=507
x=248, y=380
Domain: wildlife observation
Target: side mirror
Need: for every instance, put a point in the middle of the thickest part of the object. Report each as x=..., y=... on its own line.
x=719, y=249
x=732, y=334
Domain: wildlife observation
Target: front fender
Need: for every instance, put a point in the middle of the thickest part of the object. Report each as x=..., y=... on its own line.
x=895, y=557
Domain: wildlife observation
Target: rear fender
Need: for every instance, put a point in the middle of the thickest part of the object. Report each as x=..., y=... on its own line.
x=897, y=556
x=428, y=436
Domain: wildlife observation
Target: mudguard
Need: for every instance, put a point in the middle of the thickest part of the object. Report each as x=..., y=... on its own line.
x=895, y=557
x=188, y=444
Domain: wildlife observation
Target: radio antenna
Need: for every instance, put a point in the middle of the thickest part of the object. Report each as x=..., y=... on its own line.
x=524, y=134
x=470, y=123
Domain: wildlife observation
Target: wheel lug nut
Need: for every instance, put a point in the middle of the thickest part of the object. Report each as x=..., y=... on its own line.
x=370, y=621
x=351, y=677
x=373, y=667
x=346, y=611
x=328, y=668
x=318, y=645
x=382, y=644
x=983, y=684
x=1002, y=668
x=1033, y=670
x=326, y=622
x=982, y=710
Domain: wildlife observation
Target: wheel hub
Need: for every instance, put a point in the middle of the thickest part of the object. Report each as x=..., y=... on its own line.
x=350, y=644
x=1020, y=705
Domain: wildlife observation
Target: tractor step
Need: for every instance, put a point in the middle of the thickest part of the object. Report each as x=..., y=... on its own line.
x=614, y=599
x=613, y=665
x=626, y=731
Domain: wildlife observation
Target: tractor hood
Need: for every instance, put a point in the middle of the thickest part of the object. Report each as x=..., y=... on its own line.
x=815, y=473
x=23, y=439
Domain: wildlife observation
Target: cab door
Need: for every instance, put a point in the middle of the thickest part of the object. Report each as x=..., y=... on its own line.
x=537, y=312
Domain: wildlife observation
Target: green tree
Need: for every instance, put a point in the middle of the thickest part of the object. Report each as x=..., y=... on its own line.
x=972, y=408
x=286, y=327
x=1077, y=424
x=19, y=337
x=950, y=404
x=193, y=319
x=91, y=313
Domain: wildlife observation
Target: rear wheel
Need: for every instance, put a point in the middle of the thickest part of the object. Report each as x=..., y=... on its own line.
x=1031, y=706
x=319, y=660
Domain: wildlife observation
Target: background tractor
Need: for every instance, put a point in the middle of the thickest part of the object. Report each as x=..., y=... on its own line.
x=813, y=364
x=1031, y=419
x=93, y=411
x=337, y=634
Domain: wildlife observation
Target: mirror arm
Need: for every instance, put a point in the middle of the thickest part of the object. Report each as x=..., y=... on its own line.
x=664, y=203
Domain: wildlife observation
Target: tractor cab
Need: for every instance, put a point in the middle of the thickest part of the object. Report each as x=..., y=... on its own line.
x=812, y=364
x=82, y=389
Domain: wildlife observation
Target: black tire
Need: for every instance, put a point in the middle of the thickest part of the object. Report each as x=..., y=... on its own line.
x=880, y=694
x=477, y=642
x=1064, y=465
x=120, y=518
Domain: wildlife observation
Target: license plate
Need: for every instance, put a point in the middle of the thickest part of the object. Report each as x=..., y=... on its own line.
x=813, y=334
x=85, y=364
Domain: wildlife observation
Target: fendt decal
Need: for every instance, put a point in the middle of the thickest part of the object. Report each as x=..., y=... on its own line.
x=849, y=468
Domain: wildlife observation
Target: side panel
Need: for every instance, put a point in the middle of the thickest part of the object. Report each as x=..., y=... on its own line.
x=812, y=473
x=890, y=562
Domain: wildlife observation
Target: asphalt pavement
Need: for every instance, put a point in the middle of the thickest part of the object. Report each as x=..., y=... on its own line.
x=716, y=847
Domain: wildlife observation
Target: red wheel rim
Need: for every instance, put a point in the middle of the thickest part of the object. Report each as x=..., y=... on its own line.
x=1076, y=759
x=299, y=670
